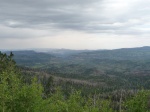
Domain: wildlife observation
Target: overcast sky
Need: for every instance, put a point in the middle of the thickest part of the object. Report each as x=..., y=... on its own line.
x=74, y=24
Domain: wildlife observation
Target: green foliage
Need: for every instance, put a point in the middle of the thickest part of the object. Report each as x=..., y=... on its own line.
x=139, y=103
x=110, y=69
x=9, y=82
x=75, y=103
x=19, y=96
x=49, y=86
x=105, y=106
x=29, y=98
x=16, y=96
x=6, y=62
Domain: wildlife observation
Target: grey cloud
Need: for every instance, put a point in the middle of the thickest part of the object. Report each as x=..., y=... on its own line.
x=86, y=15
x=21, y=33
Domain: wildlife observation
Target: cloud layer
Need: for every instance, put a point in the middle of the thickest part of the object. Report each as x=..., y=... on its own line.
x=48, y=18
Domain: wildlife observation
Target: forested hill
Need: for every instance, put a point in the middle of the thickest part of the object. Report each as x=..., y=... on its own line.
x=141, y=53
x=31, y=58
x=128, y=67
x=61, y=52
x=29, y=92
x=27, y=57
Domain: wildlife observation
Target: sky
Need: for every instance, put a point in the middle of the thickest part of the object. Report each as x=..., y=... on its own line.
x=74, y=24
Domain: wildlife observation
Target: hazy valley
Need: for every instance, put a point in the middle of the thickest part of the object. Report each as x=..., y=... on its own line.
x=114, y=76
x=121, y=68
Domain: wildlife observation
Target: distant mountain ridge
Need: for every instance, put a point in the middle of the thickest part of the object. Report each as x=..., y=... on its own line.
x=119, y=68
x=30, y=57
x=33, y=57
x=61, y=52
x=139, y=53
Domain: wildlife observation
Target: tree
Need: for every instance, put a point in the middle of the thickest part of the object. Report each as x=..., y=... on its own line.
x=16, y=96
x=139, y=103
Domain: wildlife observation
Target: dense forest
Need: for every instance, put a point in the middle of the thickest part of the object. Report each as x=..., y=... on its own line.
x=84, y=81
x=108, y=69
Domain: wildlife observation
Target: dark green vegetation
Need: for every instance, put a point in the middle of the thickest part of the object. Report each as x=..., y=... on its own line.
x=108, y=81
x=109, y=69
x=17, y=94
x=22, y=93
